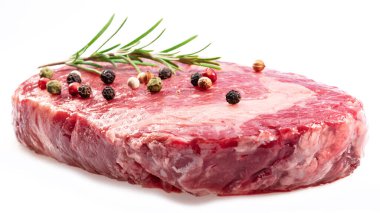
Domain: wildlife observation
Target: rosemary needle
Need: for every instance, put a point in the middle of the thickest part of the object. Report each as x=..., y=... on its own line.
x=131, y=53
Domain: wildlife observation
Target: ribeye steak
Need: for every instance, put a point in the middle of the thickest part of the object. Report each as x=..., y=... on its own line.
x=287, y=132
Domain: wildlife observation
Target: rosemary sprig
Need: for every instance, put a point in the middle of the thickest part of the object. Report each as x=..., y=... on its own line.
x=132, y=54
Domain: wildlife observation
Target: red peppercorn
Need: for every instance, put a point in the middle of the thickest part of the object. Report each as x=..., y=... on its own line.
x=210, y=73
x=73, y=88
x=42, y=82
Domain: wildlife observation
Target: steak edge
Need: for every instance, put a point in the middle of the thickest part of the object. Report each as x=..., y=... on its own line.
x=287, y=132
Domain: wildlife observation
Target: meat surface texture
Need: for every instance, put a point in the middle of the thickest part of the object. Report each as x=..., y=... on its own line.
x=287, y=132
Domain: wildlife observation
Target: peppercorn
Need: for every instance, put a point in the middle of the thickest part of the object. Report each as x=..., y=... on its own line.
x=54, y=87
x=258, y=66
x=42, y=82
x=211, y=74
x=107, y=76
x=233, y=97
x=154, y=85
x=144, y=77
x=76, y=72
x=204, y=83
x=46, y=72
x=84, y=91
x=133, y=83
x=108, y=93
x=164, y=73
x=194, y=78
x=73, y=88
x=73, y=77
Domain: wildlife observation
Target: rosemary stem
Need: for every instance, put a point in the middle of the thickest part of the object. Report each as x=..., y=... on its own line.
x=53, y=64
x=85, y=68
x=63, y=62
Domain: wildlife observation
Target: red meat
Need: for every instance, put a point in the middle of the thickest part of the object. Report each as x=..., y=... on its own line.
x=287, y=132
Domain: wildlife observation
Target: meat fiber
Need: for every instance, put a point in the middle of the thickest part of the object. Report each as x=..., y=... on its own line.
x=287, y=132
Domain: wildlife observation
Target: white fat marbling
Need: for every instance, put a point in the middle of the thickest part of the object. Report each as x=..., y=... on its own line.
x=280, y=96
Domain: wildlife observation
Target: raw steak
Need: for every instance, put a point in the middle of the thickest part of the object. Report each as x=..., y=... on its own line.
x=287, y=132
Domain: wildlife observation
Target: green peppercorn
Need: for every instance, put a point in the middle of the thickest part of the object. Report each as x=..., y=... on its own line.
x=233, y=97
x=54, y=87
x=154, y=85
x=46, y=72
x=84, y=91
x=164, y=73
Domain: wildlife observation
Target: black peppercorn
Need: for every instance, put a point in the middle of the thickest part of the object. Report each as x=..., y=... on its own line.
x=194, y=78
x=108, y=93
x=73, y=77
x=164, y=73
x=233, y=97
x=107, y=76
x=84, y=91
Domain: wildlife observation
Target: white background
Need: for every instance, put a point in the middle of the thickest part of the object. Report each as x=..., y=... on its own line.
x=335, y=42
